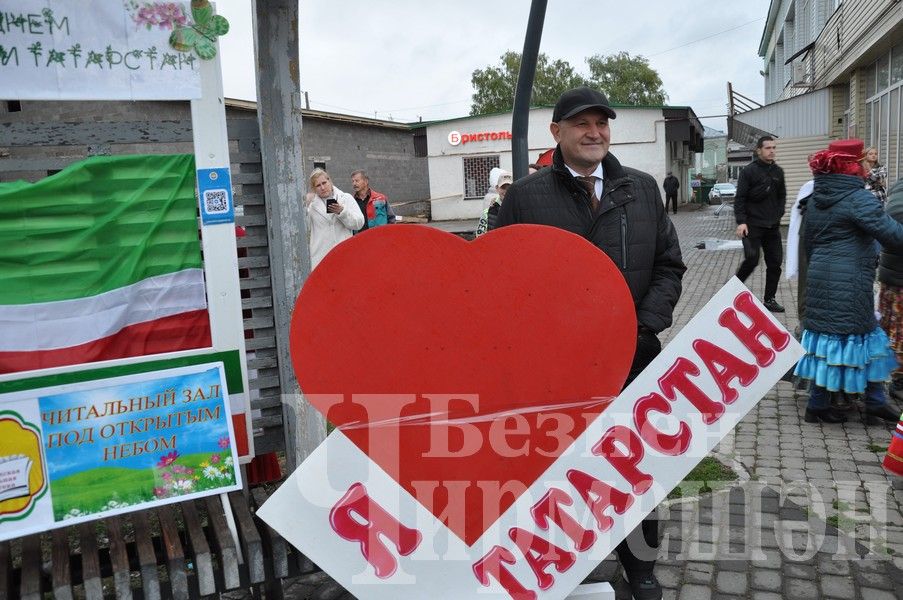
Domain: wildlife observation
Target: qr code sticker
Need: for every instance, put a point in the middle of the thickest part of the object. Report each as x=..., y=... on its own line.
x=216, y=201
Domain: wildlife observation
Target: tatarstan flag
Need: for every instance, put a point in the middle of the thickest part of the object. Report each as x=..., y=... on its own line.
x=101, y=261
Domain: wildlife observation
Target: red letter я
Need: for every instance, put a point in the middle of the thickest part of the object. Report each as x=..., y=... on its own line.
x=625, y=463
x=677, y=379
x=540, y=554
x=371, y=523
x=725, y=367
x=491, y=566
x=598, y=497
x=549, y=508
x=672, y=445
x=761, y=325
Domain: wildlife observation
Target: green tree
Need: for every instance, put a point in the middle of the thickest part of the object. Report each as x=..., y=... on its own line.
x=626, y=79
x=494, y=86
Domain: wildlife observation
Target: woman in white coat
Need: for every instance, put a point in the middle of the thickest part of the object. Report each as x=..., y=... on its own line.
x=332, y=216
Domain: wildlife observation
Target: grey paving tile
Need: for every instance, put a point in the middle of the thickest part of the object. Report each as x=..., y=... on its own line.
x=766, y=579
x=801, y=589
x=875, y=594
x=695, y=592
x=698, y=573
x=757, y=595
x=837, y=586
x=731, y=582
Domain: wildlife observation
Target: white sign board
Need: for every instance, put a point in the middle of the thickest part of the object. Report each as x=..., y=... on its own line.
x=354, y=521
x=89, y=50
x=83, y=451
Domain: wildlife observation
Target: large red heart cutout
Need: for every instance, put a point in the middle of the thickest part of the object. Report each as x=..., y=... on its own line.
x=530, y=330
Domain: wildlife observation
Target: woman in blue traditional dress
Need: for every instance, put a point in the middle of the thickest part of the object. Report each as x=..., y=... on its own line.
x=846, y=350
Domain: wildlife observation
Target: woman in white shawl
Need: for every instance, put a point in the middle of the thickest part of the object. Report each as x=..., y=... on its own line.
x=332, y=216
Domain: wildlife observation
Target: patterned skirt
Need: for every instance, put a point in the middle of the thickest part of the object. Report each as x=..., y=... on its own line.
x=846, y=363
x=890, y=305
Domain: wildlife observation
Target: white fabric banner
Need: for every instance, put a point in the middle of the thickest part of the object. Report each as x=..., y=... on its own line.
x=95, y=50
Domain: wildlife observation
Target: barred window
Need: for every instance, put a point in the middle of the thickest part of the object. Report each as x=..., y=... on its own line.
x=476, y=175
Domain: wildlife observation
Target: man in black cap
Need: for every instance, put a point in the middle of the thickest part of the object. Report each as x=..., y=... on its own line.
x=620, y=211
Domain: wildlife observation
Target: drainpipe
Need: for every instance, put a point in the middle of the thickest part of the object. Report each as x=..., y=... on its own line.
x=520, y=120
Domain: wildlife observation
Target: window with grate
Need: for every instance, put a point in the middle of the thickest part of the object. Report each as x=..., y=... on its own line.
x=476, y=175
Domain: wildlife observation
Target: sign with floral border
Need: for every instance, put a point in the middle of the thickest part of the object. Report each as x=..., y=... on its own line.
x=105, y=50
x=84, y=451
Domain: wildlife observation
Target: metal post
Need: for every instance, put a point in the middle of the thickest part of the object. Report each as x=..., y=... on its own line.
x=520, y=124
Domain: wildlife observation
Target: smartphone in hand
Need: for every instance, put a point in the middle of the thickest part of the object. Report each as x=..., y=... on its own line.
x=330, y=202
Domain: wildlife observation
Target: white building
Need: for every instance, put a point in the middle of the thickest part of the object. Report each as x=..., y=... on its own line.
x=461, y=152
x=832, y=69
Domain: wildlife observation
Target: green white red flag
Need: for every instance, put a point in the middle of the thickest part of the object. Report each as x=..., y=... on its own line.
x=101, y=261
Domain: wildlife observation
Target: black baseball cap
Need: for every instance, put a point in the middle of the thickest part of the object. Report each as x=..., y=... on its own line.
x=578, y=100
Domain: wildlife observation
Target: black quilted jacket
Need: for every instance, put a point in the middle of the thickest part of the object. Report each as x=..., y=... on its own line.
x=632, y=228
x=891, y=270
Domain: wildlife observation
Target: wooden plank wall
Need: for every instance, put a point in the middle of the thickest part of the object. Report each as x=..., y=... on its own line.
x=32, y=150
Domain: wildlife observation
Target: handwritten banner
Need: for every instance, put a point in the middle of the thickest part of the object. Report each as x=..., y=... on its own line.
x=94, y=50
x=345, y=513
x=83, y=451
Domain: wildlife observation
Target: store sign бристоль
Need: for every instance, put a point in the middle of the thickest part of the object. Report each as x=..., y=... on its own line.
x=53, y=50
x=456, y=138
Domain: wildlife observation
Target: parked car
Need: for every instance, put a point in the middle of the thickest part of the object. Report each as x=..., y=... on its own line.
x=723, y=192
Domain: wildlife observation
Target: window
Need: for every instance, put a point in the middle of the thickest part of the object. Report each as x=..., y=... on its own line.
x=476, y=175
x=883, y=73
x=420, y=146
x=896, y=64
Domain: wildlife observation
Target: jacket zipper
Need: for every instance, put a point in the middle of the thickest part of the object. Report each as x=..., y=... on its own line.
x=623, y=239
x=595, y=218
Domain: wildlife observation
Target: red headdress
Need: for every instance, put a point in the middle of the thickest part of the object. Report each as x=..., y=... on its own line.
x=842, y=157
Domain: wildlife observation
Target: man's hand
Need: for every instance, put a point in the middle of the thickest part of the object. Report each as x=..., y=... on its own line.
x=742, y=230
x=335, y=208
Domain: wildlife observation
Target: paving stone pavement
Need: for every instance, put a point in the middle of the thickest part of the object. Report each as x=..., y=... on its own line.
x=814, y=515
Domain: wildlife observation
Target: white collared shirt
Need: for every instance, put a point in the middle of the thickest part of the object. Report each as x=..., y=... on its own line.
x=598, y=174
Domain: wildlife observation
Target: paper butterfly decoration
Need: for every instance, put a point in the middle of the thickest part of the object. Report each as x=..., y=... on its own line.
x=200, y=35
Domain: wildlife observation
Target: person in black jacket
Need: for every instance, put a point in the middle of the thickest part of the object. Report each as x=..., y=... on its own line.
x=620, y=211
x=671, y=185
x=758, y=208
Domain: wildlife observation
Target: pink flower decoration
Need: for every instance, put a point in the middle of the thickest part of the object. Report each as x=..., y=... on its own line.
x=214, y=458
x=168, y=459
x=224, y=442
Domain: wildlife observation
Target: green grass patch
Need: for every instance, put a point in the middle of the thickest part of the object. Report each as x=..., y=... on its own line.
x=876, y=448
x=841, y=522
x=838, y=505
x=89, y=491
x=706, y=477
x=107, y=488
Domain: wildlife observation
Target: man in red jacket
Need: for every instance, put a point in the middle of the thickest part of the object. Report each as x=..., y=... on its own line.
x=374, y=205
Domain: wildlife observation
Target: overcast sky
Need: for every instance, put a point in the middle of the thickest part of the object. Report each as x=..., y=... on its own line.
x=407, y=59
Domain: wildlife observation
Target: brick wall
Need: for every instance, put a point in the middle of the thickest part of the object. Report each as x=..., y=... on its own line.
x=387, y=155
